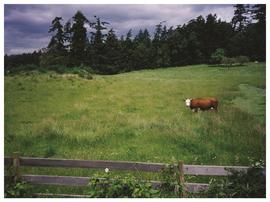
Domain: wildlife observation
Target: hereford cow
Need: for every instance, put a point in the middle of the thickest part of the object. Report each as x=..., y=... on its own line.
x=202, y=104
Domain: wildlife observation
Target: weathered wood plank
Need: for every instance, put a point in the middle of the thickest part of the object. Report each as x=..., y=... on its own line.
x=56, y=180
x=124, y=165
x=113, y=165
x=211, y=170
x=65, y=180
x=16, y=166
x=83, y=181
x=196, y=187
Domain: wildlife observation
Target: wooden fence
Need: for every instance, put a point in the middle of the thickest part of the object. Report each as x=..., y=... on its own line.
x=199, y=170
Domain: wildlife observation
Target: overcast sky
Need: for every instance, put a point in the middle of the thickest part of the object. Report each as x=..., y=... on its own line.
x=26, y=26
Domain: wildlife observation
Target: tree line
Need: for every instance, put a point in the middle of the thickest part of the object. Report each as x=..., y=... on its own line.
x=98, y=49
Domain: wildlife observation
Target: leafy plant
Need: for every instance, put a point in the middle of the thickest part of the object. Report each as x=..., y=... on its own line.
x=106, y=186
x=86, y=75
x=242, y=59
x=250, y=184
x=228, y=61
x=217, y=56
x=18, y=190
x=171, y=187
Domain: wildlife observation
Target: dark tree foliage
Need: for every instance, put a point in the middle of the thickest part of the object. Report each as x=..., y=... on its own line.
x=250, y=40
x=241, y=18
x=57, y=41
x=257, y=33
x=78, y=40
x=156, y=46
x=126, y=52
x=112, y=53
x=142, y=51
x=67, y=35
x=97, y=47
x=22, y=62
x=81, y=42
x=56, y=50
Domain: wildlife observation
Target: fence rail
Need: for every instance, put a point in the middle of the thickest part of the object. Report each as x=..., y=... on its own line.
x=17, y=161
x=94, y=164
x=83, y=181
x=125, y=165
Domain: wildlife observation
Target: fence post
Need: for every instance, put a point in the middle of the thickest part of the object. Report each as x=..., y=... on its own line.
x=181, y=178
x=16, y=166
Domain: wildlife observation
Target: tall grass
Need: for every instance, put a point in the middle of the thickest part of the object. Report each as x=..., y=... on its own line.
x=139, y=116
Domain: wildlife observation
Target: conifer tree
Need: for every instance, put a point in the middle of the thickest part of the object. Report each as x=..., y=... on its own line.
x=78, y=41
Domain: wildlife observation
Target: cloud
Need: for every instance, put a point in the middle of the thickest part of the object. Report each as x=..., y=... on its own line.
x=26, y=26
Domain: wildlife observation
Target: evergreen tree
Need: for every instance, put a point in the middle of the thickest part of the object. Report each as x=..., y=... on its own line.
x=67, y=35
x=258, y=12
x=112, y=53
x=142, y=51
x=55, y=52
x=57, y=41
x=98, y=46
x=240, y=19
x=78, y=41
x=157, y=46
x=127, y=49
x=256, y=34
x=191, y=43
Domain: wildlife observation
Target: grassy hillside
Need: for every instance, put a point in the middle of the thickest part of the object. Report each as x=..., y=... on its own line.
x=139, y=116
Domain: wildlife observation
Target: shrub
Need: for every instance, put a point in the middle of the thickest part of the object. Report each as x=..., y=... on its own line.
x=115, y=187
x=108, y=186
x=86, y=75
x=217, y=56
x=251, y=184
x=228, y=61
x=57, y=68
x=42, y=70
x=18, y=190
x=48, y=59
x=29, y=67
x=89, y=76
x=242, y=59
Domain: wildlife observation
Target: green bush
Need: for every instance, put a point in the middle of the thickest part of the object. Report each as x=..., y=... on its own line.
x=108, y=186
x=60, y=69
x=242, y=59
x=115, y=187
x=18, y=190
x=251, y=184
x=228, y=61
x=217, y=56
x=89, y=76
x=42, y=70
x=48, y=59
x=84, y=74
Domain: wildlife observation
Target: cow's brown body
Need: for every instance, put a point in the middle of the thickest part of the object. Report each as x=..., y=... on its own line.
x=203, y=104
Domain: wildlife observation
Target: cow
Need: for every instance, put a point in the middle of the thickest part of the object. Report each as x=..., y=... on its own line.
x=196, y=104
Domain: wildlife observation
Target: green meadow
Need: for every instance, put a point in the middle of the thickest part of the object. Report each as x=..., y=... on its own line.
x=139, y=116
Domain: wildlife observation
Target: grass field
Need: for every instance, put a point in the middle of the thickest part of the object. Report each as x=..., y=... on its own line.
x=139, y=116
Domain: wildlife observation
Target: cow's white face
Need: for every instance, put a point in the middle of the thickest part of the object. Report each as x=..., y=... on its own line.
x=188, y=102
